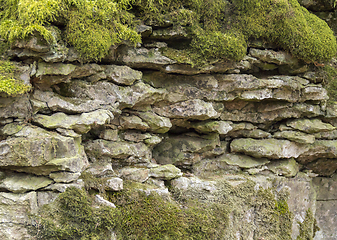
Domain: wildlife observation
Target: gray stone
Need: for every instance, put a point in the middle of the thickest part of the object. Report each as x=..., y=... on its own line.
x=48, y=74
x=157, y=124
x=191, y=109
x=184, y=149
x=221, y=127
x=99, y=169
x=133, y=122
x=86, y=70
x=15, y=107
x=326, y=220
x=101, y=201
x=14, y=212
x=136, y=136
x=62, y=187
x=21, y=183
x=81, y=124
x=109, y=134
x=295, y=136
x=310, y=125
x=127, y=152
x=154, y=140
x=143, y=58
x=287, y=168
x=64, y=177
x=45, y=197
x=269, y=148
x=38, y=151
x=135, y=174
x=242, y=161
x=270, y=56
x=114, y=184
x=165, y=172
x=122, y=74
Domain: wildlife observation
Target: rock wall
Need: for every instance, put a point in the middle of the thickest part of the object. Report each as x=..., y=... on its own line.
x=257, y=136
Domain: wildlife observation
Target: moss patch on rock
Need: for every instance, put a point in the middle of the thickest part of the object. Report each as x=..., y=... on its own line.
x=8, y=84
x=218, y=29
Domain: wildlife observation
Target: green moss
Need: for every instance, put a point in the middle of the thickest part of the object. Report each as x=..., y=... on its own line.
x=72, y=216
x=288, y=25
x=308, y=227
x=8, y=84
x=329, y=75
x=92, y=26
x=220, y=29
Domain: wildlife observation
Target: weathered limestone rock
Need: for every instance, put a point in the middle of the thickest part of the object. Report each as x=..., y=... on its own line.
x=269, y=148
x=122, y=74
x=242, y=161
x=267, y=112
x=136, y=136
x=38, y=151
x=287, y=168
x=14, y=211
x=184, y=149
x=81, y=124
x=109, y=134
x=165, y=172
x=50, y=101
x=35, y=47
x=62, y=187
x=21, y=183
x=48, y=74
x=295, y=136
x=132, y=122
x=191, y=109
x=209, y=168
x=142, y=58
x=15, y=107
x=310, y=125
x=154, y=140
x=221, y=127
x=326, y=203
x=64, y=177
x=114, y=184
x=323, y=166
x=135, y=174
x=101, y=201
x=127, y=152
x=45, y=197
x=157, y=124
x=301, y=198
x=270, y=56
x=86, y=70
x=99, y=169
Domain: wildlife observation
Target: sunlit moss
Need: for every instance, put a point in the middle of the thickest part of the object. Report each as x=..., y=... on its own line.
x=8, y=84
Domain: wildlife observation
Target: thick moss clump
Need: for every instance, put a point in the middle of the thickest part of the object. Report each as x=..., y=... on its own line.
x=287, y=24
x=219, y=29
x=8, y=84
x=142, y=216
x=137, y=216
x=92, y=26
x=72, y=216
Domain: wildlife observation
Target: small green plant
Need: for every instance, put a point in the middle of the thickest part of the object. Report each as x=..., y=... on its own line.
x=8, y=84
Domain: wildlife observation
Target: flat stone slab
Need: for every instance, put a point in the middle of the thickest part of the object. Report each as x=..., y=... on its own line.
x=35, y=150
x=79, y=123
x=310, y=125
x=21, y=183
x=165, y=172
x=242, y=161
x=191, y=109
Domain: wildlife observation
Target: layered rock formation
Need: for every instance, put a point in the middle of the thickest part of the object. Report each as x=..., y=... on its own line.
x=257, y=137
